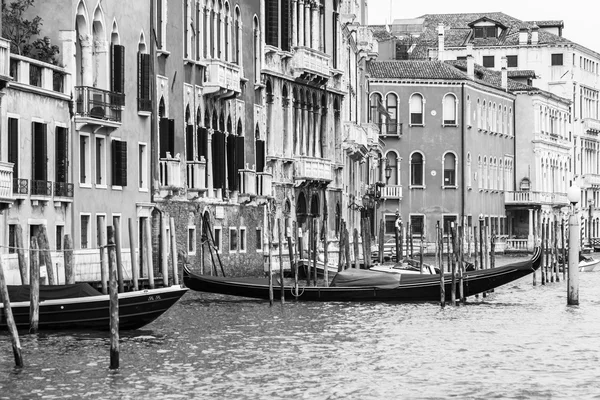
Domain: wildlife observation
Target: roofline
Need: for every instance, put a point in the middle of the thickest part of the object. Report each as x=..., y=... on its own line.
x=417, y=81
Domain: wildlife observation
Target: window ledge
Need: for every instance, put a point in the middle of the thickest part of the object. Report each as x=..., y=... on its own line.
x=416, y=125
x=100, y=186
x=145, y=113
x=85, y=185
x=162, y=52
x=116, y=187
x=449, y=187
x=416, y=186
x=449, y=125
x=145, y=190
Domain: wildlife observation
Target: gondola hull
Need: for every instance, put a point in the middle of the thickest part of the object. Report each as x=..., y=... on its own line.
x=136, y=309
x=411, y=287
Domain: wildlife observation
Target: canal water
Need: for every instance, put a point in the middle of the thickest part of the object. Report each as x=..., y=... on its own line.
x=521, y=342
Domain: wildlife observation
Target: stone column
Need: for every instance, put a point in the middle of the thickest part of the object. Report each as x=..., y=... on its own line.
x=315, y=26
x=309, y=130
x=294, y=23
x=229, y=39
x=285, y=146
x=215, y=43
x=301, y=22
x=87, y=75
x=317, y=134
x=295, y=127
x=222, y=18
x=209, y=165
x=307, y=24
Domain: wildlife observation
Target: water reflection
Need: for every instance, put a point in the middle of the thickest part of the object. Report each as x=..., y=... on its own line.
x=520, y=342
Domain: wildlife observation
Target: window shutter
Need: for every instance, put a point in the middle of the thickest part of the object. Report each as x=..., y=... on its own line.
x=172, y=137
x=164, y=137
x=119, y=158
x=260, y=155
x=217, y=159
x=272, y=22
x=231, y=164
x=285, y=25
x=144, y=82
x=239, y=156
x=13, y=145
x=202, y=142
x=189, y=142
x=118, y=68
x=40, y=158
x=61, y=154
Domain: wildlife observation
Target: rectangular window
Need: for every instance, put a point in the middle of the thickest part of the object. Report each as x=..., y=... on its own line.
x=12, y=238
x=191, y=238
x=390, y=224
x=144, y=102
x=259, y=246
x=142, y=167
x=218, y=239
x=13, y=145
x=448, y=219
x=100, y=162
x=233, y=239
x=243, y=240
x=39, y=157
x=85, y=231
x=417, y=223
x=119, y=163
x=61, y=155
x=478, y=32
x=512, y=61
x=490, y=31
x=84, y=160
x=60, y=231
x=117, y=69
x=488, y=61
x=557, y=59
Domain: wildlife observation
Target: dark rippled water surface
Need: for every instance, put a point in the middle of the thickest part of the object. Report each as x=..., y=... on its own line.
x=521, y=342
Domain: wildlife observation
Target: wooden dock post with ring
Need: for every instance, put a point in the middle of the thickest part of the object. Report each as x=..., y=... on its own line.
x=114, y=299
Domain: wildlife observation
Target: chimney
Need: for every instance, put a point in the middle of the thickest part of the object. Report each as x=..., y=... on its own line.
x=535, y=34
x=470, y=61
x=441, y=42
x=504, y=73
x=523, y=36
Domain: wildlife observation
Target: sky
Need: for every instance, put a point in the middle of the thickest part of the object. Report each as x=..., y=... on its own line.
x=579, y=16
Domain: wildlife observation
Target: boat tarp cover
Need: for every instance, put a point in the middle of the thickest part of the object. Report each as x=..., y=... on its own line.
x=54, y=292
x=365, y=278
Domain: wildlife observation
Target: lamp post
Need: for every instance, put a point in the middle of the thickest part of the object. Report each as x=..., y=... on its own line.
x=573, y=194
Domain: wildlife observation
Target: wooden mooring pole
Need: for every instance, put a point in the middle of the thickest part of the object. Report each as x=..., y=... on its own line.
x=564, y=250
x=68, y=257
x=119, y=266
x=573, y=277
x=281, y=260
x=356, y=249
x=555, y=258
x=175, y=266
x=315, y=238
x=34, y=286
x=543, y=248
x=325, y=253
x=381, y=240
x=293, y=263
x=21, y=253
x=133, y=246
x=148, y=251
x=164, y=245
x=270, y=251
x=101, y=247
x=114, y=299
x=452, y=234
x=44, y=246
x=341, y=247
x=10, y=320
x=440, y=258
x=461, y=263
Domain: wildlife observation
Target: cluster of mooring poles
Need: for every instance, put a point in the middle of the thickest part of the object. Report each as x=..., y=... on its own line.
x=112, y=281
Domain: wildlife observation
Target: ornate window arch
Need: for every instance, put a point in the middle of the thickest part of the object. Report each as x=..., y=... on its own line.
x=417, y=169
x=450, y=105
x=417, y=109
x=449, y=165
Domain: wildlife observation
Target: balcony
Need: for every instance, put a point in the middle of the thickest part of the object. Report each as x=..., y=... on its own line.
x=196, y=175
x=63, y=189
x=222, y=79
x=20, y=187
x=391, y=192
x=311, y=65
x=247, y=181
x=264, y=183
x=97, y=107
x=591, y=126
x=46, y=79
x=40, y=190
x=169, y=173
x=313, y=169
x=355, y=141
x=4, y=62
x=591, y=180
x=535, y=198
x=6, y=184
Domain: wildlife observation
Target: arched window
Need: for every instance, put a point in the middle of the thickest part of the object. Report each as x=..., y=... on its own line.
x=486, y=174
x=375, y=102
x=478, y=114
x=484, y=116
x=256, y=49
x=479, y=173
x=449, y=169
x=237, y=32
x=391, y=159
x=417, y=169
x=469, y=111
x=450, y=109
x=392, y=109
x=416, y=109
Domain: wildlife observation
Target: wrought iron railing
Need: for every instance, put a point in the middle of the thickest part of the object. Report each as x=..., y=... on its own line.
x=63, y=189
x=97, y=103
x=41, y=188
x=20, y=186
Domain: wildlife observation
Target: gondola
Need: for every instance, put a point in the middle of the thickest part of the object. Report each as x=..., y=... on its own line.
x=367, y=285
x=81, y=307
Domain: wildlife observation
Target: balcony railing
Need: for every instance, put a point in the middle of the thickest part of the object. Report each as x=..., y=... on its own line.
x=63, y=189
x=591, y=179
x=196, y=174
x=591, y=126
x=264, y=182
x=20, y=186
x=6, y=182
x=311, y=168
x=307, y=60
x=169, y=172
x=247, y=181
x=27, y=71
x=41, y=188
x=98, y=103
x=526, y=197
x=391, y=192
x=222, y=78
x=390, y=128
